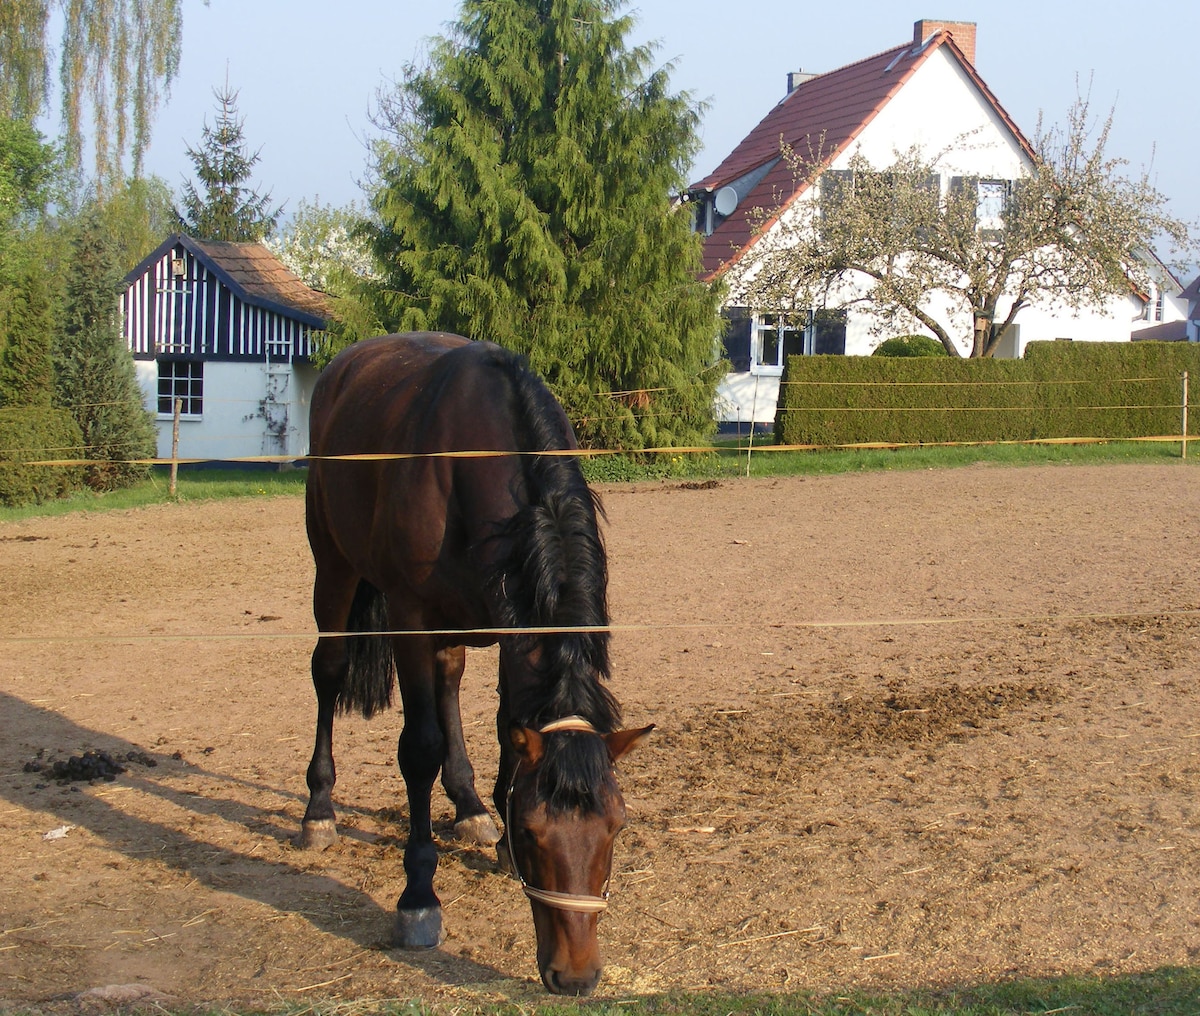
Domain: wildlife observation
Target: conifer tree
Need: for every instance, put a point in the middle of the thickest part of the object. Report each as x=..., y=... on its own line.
x=525, y=198
x=95, y=378
x=29, y=172
x=26, y=339
x=226, y=207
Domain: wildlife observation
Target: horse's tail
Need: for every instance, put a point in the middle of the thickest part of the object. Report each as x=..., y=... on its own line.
x=371, y=674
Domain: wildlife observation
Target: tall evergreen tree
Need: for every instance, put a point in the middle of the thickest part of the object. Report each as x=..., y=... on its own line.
x=95, y=377
x=525, y=197
x=226, y=207
x=26, y=339
x=29, y=172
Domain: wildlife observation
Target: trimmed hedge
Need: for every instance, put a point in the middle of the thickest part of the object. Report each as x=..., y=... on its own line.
x=1109, y=390
x=30, y=434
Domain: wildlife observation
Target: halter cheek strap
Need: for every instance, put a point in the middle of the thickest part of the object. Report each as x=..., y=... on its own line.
x=574, y=902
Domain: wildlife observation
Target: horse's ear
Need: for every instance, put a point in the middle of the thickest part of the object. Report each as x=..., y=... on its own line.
x=622, y=742
x=527, y=743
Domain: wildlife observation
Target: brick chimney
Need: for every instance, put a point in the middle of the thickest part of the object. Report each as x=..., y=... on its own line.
x=963, y=33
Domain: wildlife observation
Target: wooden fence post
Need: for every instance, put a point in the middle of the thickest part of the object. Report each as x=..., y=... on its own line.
x=1185, y=379
x=175, y=447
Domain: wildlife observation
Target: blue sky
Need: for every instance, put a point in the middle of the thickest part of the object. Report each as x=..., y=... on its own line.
x=307, y=72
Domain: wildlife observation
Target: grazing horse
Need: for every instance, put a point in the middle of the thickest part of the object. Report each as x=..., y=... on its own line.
x=417, y=536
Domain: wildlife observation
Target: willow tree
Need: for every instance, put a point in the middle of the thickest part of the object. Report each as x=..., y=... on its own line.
x=115, y=59
x=523, y=195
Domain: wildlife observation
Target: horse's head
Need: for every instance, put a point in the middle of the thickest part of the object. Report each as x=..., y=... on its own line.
x=564, y=811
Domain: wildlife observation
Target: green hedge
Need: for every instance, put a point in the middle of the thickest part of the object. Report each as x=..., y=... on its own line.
x=1060, y=389
x=29, y=435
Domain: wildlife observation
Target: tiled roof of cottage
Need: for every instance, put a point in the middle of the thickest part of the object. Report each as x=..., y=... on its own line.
x=251, y=272
x=822, y=116
x=261, y=276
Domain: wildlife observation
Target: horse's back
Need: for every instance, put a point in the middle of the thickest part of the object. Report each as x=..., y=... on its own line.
x=368, y=379
x=404, y=401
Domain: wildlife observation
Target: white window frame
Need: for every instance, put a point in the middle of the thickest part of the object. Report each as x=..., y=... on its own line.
x=769, y=330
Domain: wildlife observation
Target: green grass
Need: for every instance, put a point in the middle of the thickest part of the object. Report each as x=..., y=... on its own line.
x=728, y=461
x=1170, y=991
x=737, y=459
x=193, y=485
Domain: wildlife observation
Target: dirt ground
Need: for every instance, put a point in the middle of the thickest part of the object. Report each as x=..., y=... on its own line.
x=917, y=728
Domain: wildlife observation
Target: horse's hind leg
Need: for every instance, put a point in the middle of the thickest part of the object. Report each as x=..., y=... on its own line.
x=332, y=596
x=471, y=820
x=420, y=752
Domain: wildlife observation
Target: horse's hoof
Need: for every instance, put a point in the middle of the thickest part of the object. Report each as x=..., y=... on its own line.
x=317, y=834
x=477, y=829
x=418, y=929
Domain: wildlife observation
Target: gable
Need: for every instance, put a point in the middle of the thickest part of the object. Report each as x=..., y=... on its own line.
x=219, y=301
x=927, y=94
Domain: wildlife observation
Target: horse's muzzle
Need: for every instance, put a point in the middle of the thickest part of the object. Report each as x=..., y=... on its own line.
x=562, y=983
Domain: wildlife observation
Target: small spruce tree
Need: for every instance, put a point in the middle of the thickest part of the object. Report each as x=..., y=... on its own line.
x=226, y=207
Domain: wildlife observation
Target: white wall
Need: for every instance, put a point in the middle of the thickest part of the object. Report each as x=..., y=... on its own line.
x=747, y=398
x=941, y=111
x=239, y=421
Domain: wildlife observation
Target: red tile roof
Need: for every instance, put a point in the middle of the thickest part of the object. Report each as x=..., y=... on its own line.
x=823, y=115
x=261, y=276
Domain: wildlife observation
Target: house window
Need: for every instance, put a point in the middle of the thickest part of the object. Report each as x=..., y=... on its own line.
x=828, y=331
x=993, y=196
x=1153, y=308
x=773, y=338
x=990, y=199
x=183, y=380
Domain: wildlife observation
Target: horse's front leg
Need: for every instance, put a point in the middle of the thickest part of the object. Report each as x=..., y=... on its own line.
x=420, y=750
x=471, y=820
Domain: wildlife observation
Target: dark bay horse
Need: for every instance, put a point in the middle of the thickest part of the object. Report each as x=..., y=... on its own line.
x=442, y=551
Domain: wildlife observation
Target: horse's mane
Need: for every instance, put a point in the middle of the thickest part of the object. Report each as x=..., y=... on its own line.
x=555, y=574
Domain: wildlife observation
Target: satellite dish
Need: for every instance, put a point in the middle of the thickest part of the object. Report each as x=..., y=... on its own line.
x=725, y=200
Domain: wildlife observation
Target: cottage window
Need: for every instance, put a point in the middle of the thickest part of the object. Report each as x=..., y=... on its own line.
x=183, y=380
x=774, y=338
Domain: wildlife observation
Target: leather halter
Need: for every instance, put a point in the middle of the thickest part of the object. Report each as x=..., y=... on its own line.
x=575, y=902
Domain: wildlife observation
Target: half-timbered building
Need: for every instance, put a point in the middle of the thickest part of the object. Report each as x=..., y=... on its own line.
x=226, y=331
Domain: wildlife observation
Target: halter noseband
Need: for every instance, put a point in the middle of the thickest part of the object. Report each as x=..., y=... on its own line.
x=574, y=902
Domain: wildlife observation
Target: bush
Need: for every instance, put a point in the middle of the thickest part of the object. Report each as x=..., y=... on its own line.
x=910, y=345
x=33, y=434
x=1105, y=390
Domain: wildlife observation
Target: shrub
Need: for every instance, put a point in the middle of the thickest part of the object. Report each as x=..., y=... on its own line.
x=910, y=345
x=33, y=434
x=1106, y=390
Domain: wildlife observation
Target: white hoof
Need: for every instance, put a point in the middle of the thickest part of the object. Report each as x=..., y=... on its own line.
x=477, y=829
x=418, y=929
x=318, y=834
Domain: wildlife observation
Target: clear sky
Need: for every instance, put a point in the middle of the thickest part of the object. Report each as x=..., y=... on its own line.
x=307, y=72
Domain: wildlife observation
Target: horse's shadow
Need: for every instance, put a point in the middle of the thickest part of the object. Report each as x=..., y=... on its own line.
x=277, y=884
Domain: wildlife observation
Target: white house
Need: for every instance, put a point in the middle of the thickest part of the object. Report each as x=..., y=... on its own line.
x=924, y=93
x=225, y=330
x=1191, y=296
